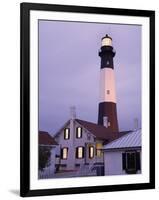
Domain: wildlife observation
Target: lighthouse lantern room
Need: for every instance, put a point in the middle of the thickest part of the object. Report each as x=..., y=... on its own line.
x=106, y=41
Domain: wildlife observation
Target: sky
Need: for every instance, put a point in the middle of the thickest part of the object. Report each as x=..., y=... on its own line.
x=69, y=69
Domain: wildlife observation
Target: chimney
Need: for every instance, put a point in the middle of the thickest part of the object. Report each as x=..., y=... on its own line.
x=105, y=121
x=136, y=124
x=73, y=112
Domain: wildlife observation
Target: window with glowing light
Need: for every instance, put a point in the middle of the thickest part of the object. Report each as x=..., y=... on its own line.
x=106, y=42
x=80, y=152
x=64, y=153
x=66, y=133
x=99, y=153
x=91, y=152
x=78, y=132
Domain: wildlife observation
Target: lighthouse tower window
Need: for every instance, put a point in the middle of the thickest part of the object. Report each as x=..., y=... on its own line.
x=108, y=62
x=66, y=133
x=108, y=91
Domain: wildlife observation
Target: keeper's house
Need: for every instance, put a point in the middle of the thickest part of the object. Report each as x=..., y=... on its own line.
x=80, y=143
x=123, y=155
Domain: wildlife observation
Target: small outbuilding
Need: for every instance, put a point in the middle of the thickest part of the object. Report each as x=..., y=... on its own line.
x=47, y=147
x=123, y=155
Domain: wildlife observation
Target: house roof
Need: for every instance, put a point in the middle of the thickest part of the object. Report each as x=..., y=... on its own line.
x=132, y=139
x=46, y=139
x=101, y=132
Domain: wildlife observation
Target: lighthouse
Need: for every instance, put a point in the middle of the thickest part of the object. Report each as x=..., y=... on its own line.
x=107, y=113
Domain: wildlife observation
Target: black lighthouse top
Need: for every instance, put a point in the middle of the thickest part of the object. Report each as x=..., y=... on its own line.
x=107, y=53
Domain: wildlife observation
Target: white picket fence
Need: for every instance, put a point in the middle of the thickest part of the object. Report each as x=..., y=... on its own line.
x=46, y=173
x=86, y=170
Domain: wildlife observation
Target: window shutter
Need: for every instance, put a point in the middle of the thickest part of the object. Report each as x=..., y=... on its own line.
x=64, y=134
x=83, y=152
x=76, y=152
x=124, y=160
x=76, y=132
x=68, y=133
x=138, y=162
x=61, y=153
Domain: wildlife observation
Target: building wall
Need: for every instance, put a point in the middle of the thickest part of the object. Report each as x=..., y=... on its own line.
x=52, y=165
x=87, y=139
x=113, y=163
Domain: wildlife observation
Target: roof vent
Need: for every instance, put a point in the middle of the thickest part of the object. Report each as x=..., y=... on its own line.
x=73, y=112
x=136, y=123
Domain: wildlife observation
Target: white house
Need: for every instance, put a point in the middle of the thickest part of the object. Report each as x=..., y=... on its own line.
x=47, y=141
x=123, y=155
x=81, y=143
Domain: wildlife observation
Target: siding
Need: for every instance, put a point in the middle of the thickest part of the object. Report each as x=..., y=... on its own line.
x=113, y=163
x=73, y=142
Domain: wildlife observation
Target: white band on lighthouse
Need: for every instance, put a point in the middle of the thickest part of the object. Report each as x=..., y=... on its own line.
x=107, y=85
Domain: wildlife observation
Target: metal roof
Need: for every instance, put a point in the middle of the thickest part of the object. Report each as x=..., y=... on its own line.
x=132, y=139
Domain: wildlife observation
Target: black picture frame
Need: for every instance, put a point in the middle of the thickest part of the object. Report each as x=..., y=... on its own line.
x=25, y=9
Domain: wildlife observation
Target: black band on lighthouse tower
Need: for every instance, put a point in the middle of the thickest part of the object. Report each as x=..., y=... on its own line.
x=107, y=113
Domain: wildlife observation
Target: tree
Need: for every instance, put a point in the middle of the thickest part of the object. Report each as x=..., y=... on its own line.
x=44, y=157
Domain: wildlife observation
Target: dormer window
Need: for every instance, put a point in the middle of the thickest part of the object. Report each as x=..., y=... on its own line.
x=79, y=132
x=66, y=133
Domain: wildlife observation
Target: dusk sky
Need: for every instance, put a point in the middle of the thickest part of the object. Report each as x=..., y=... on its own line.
x=69, y=69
